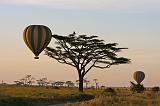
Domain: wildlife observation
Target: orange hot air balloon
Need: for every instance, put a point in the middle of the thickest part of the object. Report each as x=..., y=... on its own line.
x=37, y=37
x=138, y=76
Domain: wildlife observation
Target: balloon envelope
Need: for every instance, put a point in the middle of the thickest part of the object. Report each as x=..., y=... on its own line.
x=37, y=37
x=138, y=76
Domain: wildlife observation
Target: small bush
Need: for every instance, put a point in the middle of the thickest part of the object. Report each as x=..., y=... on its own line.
x=55, y=87
x=137, y=87
x=155, y=89
x=83, y=96
x=109, y=91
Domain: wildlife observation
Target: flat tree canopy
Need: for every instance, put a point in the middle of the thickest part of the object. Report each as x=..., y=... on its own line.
x=84, y=53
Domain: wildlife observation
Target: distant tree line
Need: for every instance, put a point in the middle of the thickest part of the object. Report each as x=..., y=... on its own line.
x=28, y=80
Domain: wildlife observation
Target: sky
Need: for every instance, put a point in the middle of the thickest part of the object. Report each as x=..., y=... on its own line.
x=130, y=23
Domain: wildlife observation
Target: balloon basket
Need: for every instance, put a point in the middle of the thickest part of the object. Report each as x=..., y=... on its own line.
x=36, y=57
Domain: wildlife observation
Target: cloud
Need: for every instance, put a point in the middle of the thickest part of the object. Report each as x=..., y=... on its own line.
x=88, y=4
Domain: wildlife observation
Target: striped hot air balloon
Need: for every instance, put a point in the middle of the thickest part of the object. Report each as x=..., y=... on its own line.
x=37, y=37
x=138, y=76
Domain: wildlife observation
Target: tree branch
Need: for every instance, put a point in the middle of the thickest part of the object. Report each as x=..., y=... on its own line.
x=73, y=60
x=90, y=67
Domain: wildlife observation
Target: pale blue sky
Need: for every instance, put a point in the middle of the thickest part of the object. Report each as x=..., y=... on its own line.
x=131, y=23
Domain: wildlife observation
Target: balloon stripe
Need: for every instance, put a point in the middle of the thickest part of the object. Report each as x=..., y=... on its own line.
x=28, y=36
x=39, y=38
x=137, y=78
x=32, y=40
x=49, y=36
x=24, y=37
x=47, y=40
x=36, y=39
x=43, y=38
x=140, y=78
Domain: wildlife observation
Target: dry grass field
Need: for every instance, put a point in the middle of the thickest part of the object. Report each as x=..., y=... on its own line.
x=122, y=97
x=11, y=95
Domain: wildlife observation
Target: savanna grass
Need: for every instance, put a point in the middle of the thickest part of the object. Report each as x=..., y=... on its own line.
x=123, y=97
x=11, y=95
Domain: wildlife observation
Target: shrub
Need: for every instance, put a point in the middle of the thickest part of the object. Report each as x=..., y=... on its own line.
x=55, y=87
x=155, y=89
x=109, y=91
x=137, y=87
x=80, y=97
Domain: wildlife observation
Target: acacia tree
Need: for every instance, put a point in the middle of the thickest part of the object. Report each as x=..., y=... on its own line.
x=84, y=53
x=69, y=84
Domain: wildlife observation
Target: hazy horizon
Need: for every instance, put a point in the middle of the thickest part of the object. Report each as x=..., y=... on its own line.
x=132, y=24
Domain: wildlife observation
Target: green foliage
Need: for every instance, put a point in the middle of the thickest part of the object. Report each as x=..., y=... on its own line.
x=137, y=87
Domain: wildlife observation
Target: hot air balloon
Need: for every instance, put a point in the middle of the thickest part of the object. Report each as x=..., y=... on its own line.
x=37, y=37
x=138, y=76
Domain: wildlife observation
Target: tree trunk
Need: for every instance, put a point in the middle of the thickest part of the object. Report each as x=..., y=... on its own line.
x=80, y=83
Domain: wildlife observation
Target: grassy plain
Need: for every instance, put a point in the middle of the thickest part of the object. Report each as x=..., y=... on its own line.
x=11, y=95
x=122, y=97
